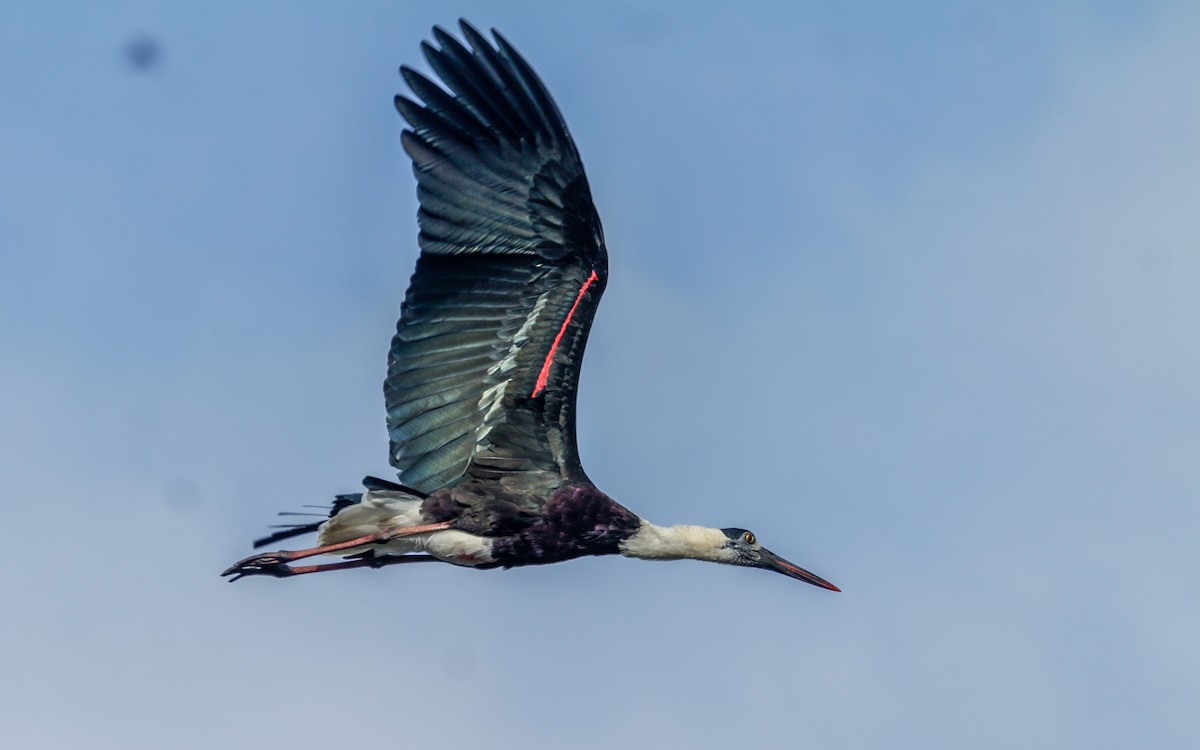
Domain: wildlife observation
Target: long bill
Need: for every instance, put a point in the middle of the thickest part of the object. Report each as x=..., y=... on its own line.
x=770, y=561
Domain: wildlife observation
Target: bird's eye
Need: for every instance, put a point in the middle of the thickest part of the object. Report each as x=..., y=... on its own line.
x=749, y=538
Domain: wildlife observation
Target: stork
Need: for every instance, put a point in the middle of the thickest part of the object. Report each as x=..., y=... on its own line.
x=484, y=367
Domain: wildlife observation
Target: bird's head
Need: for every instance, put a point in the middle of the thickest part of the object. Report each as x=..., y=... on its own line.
x=743, y=548
x=728, y=546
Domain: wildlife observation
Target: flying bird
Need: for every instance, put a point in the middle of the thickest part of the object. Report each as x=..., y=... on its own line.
x=484, y=368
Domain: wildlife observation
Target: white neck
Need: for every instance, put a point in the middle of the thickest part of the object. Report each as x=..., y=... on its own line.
x=677, y=543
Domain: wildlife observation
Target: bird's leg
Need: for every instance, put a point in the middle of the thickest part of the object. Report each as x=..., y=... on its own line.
x=361, y=562
x=276, y=563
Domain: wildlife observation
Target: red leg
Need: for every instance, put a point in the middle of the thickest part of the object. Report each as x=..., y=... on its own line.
x=275, y=563
x=364, y=562
x=287, y=571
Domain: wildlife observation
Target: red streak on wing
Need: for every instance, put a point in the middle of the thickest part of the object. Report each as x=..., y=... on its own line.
x=544, y=375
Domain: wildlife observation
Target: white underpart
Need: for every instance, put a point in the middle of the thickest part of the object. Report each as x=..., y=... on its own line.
x=382, y=510
x=458, y=547
x=678, y=543
x=378, y=510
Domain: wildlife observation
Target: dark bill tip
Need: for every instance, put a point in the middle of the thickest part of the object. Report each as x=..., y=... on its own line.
x=772, y=561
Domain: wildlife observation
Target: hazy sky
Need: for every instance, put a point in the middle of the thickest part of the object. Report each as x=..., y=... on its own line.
x=910, y=290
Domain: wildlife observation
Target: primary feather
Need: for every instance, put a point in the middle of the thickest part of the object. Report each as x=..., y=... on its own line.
x=483, y=369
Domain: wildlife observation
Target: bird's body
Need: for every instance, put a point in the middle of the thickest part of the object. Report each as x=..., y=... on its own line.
x=484, y=368
x=489, y=529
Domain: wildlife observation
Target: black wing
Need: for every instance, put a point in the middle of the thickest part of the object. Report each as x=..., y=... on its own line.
x=484, y=367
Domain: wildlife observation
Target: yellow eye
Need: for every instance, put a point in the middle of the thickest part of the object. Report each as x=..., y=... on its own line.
x=749, y=538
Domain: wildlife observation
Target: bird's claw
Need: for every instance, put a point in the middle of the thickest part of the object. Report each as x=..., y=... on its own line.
x=270, y=564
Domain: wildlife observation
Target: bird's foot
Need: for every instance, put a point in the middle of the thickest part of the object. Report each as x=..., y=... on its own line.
x=273, y=564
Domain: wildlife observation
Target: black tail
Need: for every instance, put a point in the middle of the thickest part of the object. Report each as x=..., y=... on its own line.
x=289, y=530
x=376, y=484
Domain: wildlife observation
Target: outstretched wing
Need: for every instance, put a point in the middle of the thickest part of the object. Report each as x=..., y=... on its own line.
x=484, y=367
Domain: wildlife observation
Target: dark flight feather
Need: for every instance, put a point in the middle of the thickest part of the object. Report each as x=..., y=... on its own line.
x=484, y=367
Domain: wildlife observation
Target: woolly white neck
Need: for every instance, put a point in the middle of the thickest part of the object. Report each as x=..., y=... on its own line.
x=677, y=543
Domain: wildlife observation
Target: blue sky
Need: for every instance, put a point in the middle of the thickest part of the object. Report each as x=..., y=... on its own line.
x=910, y=292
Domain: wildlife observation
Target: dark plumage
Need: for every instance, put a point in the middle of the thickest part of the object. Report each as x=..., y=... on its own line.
x=575, y=521
x=484, y=368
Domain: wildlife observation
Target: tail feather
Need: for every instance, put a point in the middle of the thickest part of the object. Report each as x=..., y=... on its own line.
x=340, y=503
x=375, y=483
x=287, y=531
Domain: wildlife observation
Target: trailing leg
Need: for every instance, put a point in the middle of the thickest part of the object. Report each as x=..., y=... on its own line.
x=276, y=563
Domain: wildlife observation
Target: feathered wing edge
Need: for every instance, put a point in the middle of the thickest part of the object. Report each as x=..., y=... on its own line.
x=498, y=177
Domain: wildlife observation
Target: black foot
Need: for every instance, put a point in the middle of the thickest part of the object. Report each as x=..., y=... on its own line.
x=272, y=564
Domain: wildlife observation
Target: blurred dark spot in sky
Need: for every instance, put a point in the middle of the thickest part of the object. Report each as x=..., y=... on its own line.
x=181, y=496
x=142, y=52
